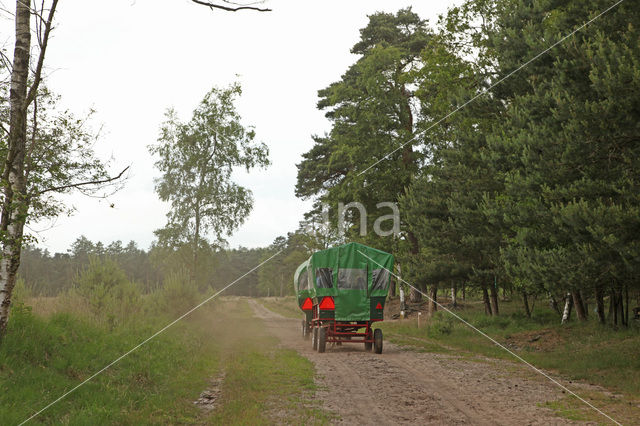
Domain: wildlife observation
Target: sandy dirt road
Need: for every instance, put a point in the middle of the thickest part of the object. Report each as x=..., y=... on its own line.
x=408, y=387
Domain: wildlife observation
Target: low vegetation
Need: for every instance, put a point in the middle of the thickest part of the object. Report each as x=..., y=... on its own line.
x=57, y=343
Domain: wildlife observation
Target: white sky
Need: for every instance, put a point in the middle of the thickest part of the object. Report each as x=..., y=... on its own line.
x=132, y=59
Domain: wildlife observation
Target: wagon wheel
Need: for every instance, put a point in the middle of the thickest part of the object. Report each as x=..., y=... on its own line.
x=322, y=339
x=314, y=338
x=377, y=340
x=368, y=345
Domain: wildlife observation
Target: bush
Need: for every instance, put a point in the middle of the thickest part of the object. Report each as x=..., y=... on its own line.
x=107, y=290
x=21, y=293
x=440, y=324
x=178, y=294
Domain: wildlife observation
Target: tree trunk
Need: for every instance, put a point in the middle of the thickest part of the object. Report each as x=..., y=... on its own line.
x=433, y=297
x=600, y=304
x=568, y=303
x=554, y=304
x=626, y=290
x=485, y=299
x=614, y=303
x=585, y=303
x=14, y=206
x=494, y=301
x=454, y=294
x=611, y=304
x=392, y=287
x=579, y=304
x=414, y=295
x=464, y=292
x=619, y=307
x=394, y=284
x=525, y=301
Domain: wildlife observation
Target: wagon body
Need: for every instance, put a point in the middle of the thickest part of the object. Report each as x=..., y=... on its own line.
x=346, y=289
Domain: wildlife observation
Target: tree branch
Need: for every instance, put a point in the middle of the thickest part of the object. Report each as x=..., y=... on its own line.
x=43, y=43
x=6, y=62
x=80, y=184
x=229, y=9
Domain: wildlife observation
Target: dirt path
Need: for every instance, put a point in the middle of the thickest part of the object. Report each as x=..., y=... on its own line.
x=402, y=386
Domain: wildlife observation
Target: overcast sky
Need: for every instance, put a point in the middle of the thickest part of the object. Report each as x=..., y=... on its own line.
x=132, y=59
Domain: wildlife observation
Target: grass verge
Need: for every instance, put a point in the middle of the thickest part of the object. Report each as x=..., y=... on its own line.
x=41, y=358
x=576, y=353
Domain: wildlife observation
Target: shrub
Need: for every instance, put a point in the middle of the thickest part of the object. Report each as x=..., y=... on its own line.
x=21, y=293
x=110, y=294
x=178, y=294
x=440, y=324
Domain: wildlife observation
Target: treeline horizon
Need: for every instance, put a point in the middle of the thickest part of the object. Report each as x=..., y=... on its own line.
x=51, y=274
x=48, y=274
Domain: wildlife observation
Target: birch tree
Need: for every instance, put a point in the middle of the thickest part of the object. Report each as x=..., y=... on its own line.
x=25, y=74
x=196, y=160
x=46, y=152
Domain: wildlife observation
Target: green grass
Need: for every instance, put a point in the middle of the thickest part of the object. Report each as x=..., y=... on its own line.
x=580, y=351
x=41, y=358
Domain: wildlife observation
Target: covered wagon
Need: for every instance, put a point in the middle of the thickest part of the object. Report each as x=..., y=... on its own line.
x=342, y=292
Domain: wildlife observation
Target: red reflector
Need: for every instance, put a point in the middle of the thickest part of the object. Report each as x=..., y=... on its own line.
x=307, y=305
x=378, y=306
x=327, y=304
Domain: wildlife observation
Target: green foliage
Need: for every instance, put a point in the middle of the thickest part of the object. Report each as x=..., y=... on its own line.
x=196, y=160
x=440, y=324
x=178, y=294
x=567, y=149
x=372, y=111
x=21, y=293
x=528, y=180
x=59, y=154
x=104, y=287
x=50, y=275
x=43, y=358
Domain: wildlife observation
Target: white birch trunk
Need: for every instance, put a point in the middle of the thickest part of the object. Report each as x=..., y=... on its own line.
x=566, y=314
x=14, y=205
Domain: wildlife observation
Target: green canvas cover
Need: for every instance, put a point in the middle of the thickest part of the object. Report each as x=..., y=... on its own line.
x=353, y=280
